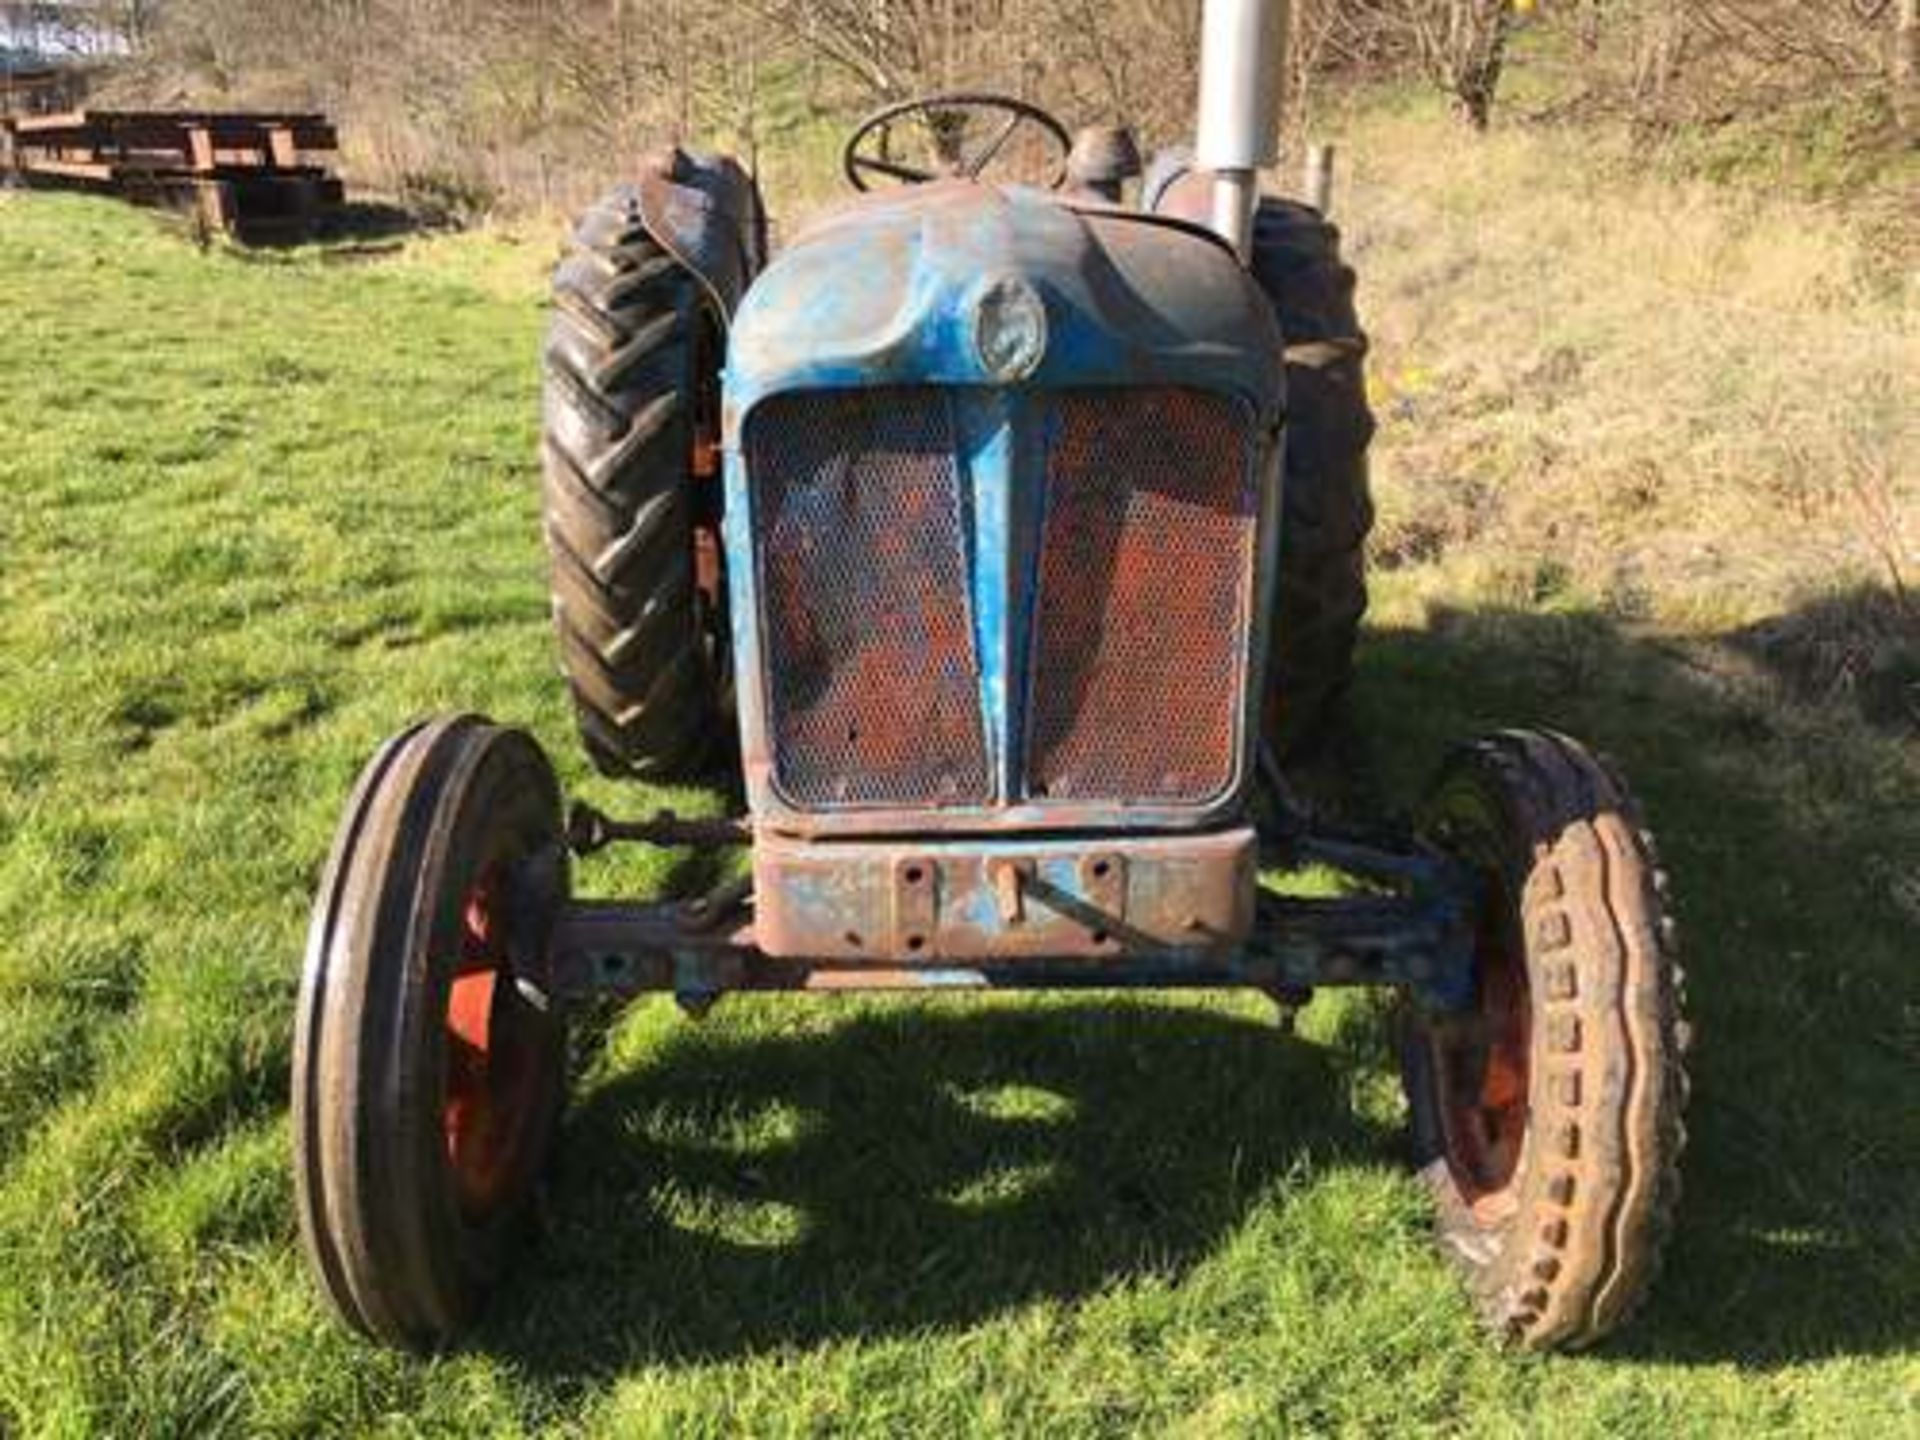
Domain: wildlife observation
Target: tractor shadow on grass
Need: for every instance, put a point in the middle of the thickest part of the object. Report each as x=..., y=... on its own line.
x=906, y=1168
x=1791, y=833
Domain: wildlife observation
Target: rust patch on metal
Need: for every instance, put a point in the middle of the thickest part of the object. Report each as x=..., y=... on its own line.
x=1146, y=587
x=915, y=902
x=1009, y=878
x=872, y=676
x=1103, y=879
x=949, y=900
x=706, y=213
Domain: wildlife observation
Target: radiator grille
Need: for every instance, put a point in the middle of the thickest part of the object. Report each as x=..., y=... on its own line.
x=873, y=688
x=1146, y=586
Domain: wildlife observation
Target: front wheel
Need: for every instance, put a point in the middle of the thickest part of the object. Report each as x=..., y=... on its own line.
x=427, y=1070
x=1548, y=1119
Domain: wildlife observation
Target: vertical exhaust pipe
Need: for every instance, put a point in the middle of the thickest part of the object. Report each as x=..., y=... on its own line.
x=1242, y=72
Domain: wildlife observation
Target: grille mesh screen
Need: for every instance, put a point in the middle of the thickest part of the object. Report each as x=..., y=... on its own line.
x=1146, y=577
x=873, y=680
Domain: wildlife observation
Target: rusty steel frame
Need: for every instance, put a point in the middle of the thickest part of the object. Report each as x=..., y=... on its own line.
x=1412, y=930
x=590, y=830
x=974, y=899
x=620, y=951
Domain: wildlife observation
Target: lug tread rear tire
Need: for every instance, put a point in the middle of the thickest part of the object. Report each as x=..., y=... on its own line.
x=619, y=503
x=1327, y=506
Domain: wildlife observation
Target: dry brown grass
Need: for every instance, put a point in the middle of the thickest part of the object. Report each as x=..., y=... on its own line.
x=1670, y=401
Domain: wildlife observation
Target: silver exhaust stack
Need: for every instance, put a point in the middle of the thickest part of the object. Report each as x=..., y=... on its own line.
x=1243, y=47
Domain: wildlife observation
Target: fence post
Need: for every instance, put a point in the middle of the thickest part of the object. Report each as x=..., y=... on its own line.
x=200, y=149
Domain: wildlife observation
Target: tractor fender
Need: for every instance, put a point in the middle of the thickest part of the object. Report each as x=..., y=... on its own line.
x=705, y=211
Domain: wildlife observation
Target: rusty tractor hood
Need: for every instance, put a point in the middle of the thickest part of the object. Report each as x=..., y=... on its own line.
x=885, y=292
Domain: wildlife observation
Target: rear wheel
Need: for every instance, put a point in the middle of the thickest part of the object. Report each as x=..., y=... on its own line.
x=1327, y=506
x=1548, y=1120
x=428, y=1072
x=632, y=498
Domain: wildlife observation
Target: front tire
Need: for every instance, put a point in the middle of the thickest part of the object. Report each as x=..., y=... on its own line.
x=428, y=1074
x=1548, y=1121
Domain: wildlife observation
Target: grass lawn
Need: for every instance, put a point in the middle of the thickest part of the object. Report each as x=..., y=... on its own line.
x=260, y=513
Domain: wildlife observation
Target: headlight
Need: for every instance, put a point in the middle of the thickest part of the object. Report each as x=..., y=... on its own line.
x=1009, y=329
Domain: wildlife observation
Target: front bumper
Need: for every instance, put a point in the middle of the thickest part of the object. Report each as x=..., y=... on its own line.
x=923, y=900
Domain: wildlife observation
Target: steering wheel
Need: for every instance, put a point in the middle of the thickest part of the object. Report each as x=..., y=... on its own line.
x=946, y=120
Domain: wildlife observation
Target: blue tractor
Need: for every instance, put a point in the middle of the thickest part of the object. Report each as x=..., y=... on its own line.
x=1003, y=541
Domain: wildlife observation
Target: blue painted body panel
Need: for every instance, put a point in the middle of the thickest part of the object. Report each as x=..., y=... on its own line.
x=883, y=294
x=880, y=293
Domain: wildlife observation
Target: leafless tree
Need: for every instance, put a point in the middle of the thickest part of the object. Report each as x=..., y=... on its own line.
x=543, y=99
x=1461, y=44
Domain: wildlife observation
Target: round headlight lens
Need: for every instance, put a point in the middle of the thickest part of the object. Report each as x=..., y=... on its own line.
x=1009, y=329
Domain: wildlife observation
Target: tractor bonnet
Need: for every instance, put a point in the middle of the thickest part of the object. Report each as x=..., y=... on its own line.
x=892, y=291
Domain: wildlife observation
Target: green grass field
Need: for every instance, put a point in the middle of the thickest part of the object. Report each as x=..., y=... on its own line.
x=259, y=513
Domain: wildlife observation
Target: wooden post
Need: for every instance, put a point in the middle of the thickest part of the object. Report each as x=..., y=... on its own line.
x=218, y=212
x=199, y=149
x=1318, y=186
x=282, y=153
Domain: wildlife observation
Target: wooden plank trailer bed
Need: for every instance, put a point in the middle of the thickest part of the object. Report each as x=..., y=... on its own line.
x=248, y=174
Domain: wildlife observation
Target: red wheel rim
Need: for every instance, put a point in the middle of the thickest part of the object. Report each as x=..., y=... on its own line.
x=492, y=1088
x=1482, y=1067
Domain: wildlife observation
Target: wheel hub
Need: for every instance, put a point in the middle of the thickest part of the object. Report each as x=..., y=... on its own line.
x=492, y=1075
x=1483, y=1067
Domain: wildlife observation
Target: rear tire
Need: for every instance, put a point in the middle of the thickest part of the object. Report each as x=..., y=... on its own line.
x=1548, y=1122
x=630, y=385
x=1327, y=505
x=428, y=1075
